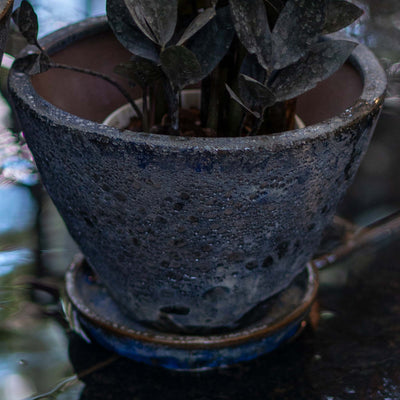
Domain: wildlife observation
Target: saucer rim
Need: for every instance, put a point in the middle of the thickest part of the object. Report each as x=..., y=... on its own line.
x=256, y=331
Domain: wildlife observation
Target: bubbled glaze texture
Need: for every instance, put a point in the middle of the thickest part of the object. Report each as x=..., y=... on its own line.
x=196, y=236
x=190, y=233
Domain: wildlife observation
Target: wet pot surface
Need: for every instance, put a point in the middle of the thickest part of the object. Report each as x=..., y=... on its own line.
x=191, y=232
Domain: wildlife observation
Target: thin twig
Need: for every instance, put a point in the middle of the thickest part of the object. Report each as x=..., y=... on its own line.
x=59, y=388
x=122, y=90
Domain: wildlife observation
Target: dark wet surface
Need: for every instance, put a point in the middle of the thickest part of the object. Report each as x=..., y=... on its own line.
x=349, y=350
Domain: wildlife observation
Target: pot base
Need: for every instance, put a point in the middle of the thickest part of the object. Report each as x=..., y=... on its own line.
x=94, y=314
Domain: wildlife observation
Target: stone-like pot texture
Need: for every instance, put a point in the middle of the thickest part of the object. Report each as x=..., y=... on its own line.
x=191, y=232
x=5, y=13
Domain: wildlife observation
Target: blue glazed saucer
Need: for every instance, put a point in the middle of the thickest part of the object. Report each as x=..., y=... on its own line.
x=95, y=315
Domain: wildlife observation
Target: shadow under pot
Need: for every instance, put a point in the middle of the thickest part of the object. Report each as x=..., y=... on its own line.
x=191, y=234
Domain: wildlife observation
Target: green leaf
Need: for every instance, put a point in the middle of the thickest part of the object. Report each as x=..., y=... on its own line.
x=143, y=72
x=202, y=19
x=251, y=25
x=240, y=102
x=156, y=18
x=26, y=20
x=339, y=14
x=323, y=60
x=212, y=42
x=181, y=66
x=254, y=93
x=127, y=32
x=299, y=25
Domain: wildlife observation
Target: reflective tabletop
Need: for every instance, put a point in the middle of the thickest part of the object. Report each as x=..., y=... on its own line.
x=350, y=348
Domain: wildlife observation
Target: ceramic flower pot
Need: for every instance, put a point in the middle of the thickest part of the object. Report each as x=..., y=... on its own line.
x=191, y=233
x=5, y=13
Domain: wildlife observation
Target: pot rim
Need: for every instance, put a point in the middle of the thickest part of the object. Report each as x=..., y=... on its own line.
x=4, y=10
x=362, y=59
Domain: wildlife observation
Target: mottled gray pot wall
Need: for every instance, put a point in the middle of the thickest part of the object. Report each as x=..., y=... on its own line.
x=196, y=231
x=5, y=13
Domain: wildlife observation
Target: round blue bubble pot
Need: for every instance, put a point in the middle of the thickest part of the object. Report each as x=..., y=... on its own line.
x=198, y=245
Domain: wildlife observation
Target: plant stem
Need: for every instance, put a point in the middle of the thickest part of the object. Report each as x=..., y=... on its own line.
x=172, y=95
x=205, y=100
x=234, y=117
x=122, y=90
x=152, y=103
x=212, y=118
x=159, y=102
x=146, y=122
x=41, y=49
x=258, y=124
x=175, y=112
x=280, y=117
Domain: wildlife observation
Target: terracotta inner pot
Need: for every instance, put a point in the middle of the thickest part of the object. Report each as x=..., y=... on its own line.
x=92, y=98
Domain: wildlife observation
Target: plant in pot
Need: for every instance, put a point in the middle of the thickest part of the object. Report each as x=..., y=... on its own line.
x=195, y=217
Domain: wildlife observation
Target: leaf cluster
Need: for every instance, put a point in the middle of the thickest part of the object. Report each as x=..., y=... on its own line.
x=170, y=43
x=247, y=55
x=280, y=49
x=291, y=57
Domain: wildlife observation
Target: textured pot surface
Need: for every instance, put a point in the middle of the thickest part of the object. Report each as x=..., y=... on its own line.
x=193, y=232
x=5, y=13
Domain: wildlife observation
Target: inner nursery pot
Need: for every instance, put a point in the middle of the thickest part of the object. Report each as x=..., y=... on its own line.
x=191, y=234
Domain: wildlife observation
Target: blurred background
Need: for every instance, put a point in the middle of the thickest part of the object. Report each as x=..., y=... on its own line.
x=38, y=353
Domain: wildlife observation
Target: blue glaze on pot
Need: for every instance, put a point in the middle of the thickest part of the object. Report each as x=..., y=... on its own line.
x=184, y=359
x=196, y=231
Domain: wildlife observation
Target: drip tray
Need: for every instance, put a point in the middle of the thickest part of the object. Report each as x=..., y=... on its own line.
x=95, y=315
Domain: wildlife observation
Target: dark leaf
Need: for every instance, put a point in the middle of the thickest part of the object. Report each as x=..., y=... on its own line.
x=45, y=62
x=127, y=32
x=339, y=14
x=202, y=19
x=140, y=20
x=156, y=18
x=143, y=72
x=212, y=42
x=26, y=20
x=254, y=93
x=32, y=64
x=299, y=25
x=181, y=66
x=252, y=68
x=240, y=102
x=322, y=61
x=251, y=24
